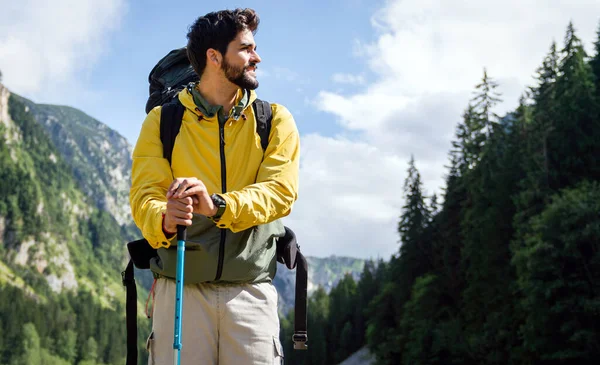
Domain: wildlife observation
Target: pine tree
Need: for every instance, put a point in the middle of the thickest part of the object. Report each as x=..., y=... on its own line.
x=89, y=351
x=486, y=98
x=536, y=122
x=486, y=226
x=341, y=314
x=559, y=274
x=433, y=205
x=420, y=324
x=595, y=63
x=574, y=144
x=415, y=214
x=383, y=335
x=32, y=354
x=67, y=345
x=366, y=289
x=542, y=123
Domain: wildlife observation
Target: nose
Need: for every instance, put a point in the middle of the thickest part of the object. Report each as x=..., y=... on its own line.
x=255, y=57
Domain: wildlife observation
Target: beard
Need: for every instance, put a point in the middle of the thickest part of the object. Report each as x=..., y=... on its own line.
x=239, y=76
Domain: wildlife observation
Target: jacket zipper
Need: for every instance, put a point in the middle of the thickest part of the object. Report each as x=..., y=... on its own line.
x=224, y=190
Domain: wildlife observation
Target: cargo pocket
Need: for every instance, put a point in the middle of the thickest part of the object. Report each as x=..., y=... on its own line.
x=277, y=352
x=150, y=348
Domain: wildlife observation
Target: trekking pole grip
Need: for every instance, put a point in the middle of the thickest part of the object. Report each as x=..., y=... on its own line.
x=181, y=233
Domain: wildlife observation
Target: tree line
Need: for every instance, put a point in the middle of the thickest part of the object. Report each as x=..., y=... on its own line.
x=506, y=270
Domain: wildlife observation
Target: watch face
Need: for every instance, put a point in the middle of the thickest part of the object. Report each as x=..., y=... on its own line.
x=220, y=204
x=218, y=200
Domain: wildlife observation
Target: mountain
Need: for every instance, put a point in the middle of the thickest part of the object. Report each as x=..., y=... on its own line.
x=61, y=236
x=324, y=272
x=99, y=157
x=64, y=221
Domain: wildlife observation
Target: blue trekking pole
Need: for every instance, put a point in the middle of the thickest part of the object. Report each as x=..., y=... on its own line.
x=181, y=236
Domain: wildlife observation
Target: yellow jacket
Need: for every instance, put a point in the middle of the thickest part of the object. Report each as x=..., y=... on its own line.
x=259, y=190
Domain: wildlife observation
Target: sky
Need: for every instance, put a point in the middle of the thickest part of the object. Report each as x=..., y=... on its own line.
x=370, y=83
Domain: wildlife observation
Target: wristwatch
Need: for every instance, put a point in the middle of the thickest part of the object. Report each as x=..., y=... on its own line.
x=220, y=204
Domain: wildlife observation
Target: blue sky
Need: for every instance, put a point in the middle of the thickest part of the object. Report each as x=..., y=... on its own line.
x=368, y=82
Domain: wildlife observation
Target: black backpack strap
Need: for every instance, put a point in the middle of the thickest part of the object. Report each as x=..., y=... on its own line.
x=288, y=253
x=171, y=115
x=300, y=332
x=264, y=116
x=131, y=314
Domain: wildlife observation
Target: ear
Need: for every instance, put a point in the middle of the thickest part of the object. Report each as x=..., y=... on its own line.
x=213, y=56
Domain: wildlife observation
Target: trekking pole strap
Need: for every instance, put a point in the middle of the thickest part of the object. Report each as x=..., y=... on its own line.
x=300, y=337
x=130, y=313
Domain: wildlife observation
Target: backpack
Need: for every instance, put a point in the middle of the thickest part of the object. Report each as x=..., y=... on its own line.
x=168, y=77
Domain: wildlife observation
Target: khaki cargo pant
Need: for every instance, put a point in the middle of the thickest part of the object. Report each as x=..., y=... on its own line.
x=221, y=325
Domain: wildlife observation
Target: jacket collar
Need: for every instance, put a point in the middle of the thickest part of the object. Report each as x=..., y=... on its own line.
x=191, y=98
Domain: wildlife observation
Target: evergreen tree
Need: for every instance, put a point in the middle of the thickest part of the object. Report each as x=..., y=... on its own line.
x=415, y=258
x=487, y=229
x=595, y=63
x=366, y=289
x=31, y=349
x=470, y=139
x=66, y=346
x=486, y=98
x=89, y=351
x=433, y=205
x=536, y=123
x=415, y=214
x=451, y=236
x=559, y=274
x=574, y=144
x=420, y=325
x=341, y=315
x=383, y=337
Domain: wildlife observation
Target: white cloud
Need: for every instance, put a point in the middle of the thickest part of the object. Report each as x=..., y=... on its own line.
x=45, y=46
x=428, y=55
x=345, y=207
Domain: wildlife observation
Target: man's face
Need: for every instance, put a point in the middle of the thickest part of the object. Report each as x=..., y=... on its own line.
x=239, y=63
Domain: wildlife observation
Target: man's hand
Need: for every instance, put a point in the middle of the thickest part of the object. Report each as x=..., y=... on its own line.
x=179, y=213
x=184, y=196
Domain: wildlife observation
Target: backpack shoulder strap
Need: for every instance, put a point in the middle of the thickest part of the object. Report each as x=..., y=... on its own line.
x=131, y=314
x=171, y=115
x=300, y=337
x=264, y=116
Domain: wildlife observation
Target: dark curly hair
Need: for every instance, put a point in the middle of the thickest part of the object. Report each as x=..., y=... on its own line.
x=216, y=30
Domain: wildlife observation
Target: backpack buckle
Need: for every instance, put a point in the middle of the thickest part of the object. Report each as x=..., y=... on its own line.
x=126, y=281
x=300, y=340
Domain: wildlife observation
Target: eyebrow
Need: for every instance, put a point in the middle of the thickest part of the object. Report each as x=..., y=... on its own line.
x=245, y=44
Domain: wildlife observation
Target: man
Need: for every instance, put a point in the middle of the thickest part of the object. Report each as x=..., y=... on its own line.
x=228, y=192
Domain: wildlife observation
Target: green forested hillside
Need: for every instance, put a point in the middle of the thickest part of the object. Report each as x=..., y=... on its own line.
x=506, y=270
x=99, y=158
